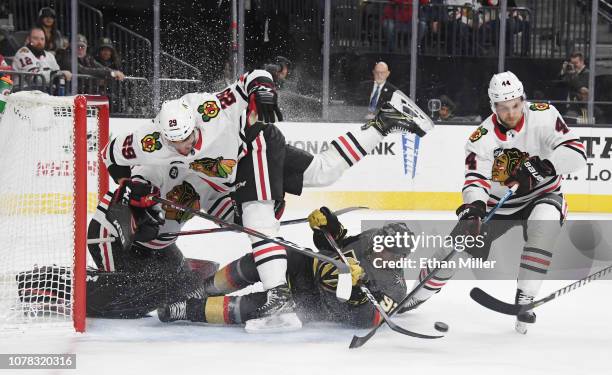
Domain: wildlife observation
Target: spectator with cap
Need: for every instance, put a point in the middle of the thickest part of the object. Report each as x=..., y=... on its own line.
x=107, y=56
x=89, y=66
x=447, y=109
x=47, y=22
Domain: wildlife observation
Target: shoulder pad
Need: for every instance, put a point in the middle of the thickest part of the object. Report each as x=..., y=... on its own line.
x=539, y=106
x=478, y=133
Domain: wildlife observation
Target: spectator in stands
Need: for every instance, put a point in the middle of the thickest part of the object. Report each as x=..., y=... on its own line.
x=33, y=58
x=397, y=22
x=87, y=65
x=575, y=74
x=447, y=109
x=379, y=90
x=580, y=110
x=107, y=56
x=46, y=21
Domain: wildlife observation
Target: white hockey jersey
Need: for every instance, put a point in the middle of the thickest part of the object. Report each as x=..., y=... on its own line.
x=180, y=185
x=221, y=122
x=26, y=61
x=541, y=132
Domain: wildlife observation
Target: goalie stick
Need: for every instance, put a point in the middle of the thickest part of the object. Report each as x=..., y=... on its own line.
x=359, y=341
x=344, y=288
x=225, y=229
x=371, y=297
x=492, y=303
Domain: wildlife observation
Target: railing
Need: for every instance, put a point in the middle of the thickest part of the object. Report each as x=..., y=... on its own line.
x=543, y=29
x=91, y=23
x=27, y=81
x=134, y=49
x=172, y=66
x=605, y=10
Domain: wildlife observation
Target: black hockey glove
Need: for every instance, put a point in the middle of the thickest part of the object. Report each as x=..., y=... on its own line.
x=470, y=217
x=148, y=221
x=323, y=218
x=139, y=194
x=263, y=100
x=530, y=172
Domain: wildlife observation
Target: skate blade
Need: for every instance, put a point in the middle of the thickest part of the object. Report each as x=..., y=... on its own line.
x=274, y=324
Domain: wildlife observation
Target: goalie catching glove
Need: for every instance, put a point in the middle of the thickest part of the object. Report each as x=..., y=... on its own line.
x=513, y=166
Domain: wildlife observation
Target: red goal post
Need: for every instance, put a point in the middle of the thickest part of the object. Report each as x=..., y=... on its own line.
x=53, y=176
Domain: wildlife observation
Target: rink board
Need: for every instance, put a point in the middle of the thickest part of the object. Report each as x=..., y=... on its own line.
x=387, y=180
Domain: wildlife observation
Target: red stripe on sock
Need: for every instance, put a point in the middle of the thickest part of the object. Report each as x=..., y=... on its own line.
x=349, y=148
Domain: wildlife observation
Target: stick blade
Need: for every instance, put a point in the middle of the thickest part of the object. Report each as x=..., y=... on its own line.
x=486, y=300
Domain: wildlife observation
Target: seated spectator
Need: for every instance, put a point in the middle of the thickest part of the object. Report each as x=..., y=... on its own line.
x=89, y=66
x=580, y=110
x=447, y=109
x=107, y=55
x=46, y=21
x=33, y=58
x=397, y=22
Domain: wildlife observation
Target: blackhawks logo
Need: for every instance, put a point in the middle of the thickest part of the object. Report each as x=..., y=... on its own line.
x=539, y=106
x=185, y=195
x=151, y=142
x=505, y=162
x=209, y=109
x=478, y=133
x=218, y=167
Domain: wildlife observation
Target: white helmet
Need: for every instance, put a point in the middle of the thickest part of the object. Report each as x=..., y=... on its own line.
x=505, y=86
x=176, y=120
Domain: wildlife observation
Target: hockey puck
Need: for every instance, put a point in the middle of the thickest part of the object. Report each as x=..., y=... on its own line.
x=440, y=326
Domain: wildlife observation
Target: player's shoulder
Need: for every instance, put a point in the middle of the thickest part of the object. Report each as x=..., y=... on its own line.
x=23, y=51
x=541, y=115
x=483, y=133
x=207, y=105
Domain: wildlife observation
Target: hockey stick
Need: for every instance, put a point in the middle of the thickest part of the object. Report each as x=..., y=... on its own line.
x=342, y=211
x=359, y=341
x=343, y=291
x=282, y=223
x=492, y=303
x=372, y=299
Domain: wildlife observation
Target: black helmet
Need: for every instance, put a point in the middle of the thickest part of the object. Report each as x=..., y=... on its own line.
x=276, y=65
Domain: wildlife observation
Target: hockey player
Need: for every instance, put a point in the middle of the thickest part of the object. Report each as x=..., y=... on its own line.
x=229, y=139
x=142, y=268
x=521, y=143
x=312, y=283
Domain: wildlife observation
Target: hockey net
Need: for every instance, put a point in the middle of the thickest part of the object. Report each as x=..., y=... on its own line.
x=50, y=181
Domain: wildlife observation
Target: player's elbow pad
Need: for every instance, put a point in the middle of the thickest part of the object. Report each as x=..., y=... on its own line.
x=566, y=160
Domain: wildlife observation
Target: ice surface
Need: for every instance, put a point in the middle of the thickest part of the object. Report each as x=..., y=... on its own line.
x=573, y=334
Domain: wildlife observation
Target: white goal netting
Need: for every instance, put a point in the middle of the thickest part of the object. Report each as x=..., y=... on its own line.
x=36, y=207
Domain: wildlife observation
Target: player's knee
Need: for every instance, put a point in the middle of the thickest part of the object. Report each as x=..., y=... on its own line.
x=259, y=215
x=543, y=227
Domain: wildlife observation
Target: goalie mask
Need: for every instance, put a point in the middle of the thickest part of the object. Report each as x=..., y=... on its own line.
x=176, y=120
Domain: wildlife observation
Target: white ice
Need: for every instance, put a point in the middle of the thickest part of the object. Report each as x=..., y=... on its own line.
x=573, y=333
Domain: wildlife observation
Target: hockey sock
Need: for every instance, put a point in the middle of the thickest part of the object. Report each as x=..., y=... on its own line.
x=234, y=276
x=435, y=284
x=543, y=228
x=344, y=152
x=270, y=258
x=225, y=309
x=534, y=266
